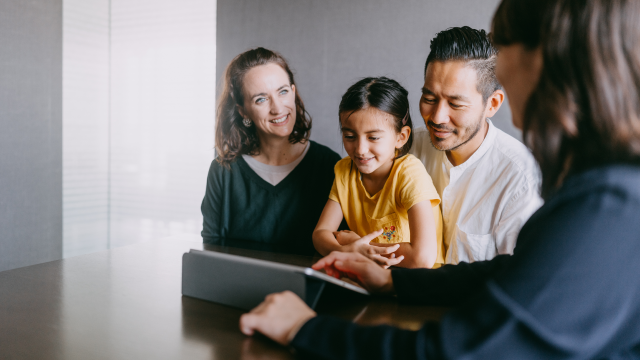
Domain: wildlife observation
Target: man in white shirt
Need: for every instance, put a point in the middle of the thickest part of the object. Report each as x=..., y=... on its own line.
x=488, y=181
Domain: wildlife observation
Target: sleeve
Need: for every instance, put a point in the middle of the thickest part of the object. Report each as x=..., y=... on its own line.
x=333, y=195
x=330, y=338
x=489, y=328
x=339, y=178
x=415, y=184
x=325, y=337
x=212, y=204
x=515, y=214
x=449, y=285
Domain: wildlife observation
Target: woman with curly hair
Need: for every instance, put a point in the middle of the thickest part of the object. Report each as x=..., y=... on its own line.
x=269, y=182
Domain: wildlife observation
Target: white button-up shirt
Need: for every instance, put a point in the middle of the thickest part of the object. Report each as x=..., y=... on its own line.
x=486, y=199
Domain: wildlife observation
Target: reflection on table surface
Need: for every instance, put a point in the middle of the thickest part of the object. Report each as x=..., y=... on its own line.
x=126, y=303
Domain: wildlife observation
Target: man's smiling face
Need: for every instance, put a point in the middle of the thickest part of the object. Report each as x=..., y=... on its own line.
x=451, y=105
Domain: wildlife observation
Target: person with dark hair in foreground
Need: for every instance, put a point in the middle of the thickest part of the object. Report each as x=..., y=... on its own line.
x=571, y=70
x=487, y=180
x=269, y=183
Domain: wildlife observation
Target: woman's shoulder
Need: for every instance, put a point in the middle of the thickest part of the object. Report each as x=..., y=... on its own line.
x=219, y=169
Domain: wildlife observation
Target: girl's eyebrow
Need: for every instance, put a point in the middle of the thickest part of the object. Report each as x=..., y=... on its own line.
x=368, y=132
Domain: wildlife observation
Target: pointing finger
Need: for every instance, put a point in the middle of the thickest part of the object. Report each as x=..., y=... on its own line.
x=372, y=236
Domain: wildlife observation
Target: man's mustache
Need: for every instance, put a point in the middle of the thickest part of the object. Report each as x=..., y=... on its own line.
x=440, y=127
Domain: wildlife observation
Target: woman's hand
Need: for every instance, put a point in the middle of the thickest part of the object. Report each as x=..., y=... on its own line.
x=359, y=268
x=380, y=254
x=279, y=317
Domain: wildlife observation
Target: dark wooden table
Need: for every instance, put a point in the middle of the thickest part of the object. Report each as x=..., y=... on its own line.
x=126, y=303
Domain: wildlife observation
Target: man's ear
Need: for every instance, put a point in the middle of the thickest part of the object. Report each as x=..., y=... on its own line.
x=493, y=103
x=402, y=137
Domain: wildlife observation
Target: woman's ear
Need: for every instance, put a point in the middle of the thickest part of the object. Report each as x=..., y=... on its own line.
x=402, y=137
x=240, y=111
x=293, y=88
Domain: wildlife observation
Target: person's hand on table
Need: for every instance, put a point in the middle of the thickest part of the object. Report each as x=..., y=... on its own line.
x=359, y=268
x=281, y=315
x=382, y=255
x=278, y=317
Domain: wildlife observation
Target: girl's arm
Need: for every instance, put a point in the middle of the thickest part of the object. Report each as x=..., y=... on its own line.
x=422, y=251
x=325, y=241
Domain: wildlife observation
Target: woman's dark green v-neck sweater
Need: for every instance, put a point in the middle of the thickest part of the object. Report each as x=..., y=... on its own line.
x=241, y=209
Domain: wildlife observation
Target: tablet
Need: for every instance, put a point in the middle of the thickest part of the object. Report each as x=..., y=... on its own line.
x=244, y=282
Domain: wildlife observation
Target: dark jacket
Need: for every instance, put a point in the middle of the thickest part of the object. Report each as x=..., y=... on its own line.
x=570, y=291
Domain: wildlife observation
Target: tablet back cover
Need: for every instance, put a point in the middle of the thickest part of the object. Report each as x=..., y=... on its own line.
x=238, y=281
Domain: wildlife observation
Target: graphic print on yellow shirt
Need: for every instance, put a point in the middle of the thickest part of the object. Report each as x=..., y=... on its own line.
x=408, y=184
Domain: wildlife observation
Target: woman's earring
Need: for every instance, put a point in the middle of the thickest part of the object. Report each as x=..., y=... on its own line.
x=246, y=122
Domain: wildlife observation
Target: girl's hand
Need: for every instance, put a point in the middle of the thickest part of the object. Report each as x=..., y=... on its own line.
x=345, y=237
x=358, y=268
x=373, y=252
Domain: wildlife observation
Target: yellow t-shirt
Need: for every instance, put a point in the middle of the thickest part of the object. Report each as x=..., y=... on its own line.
x=408, y=184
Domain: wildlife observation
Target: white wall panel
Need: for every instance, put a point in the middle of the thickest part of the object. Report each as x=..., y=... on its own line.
x=162, y=115
x=139, y=106
x=85, y=126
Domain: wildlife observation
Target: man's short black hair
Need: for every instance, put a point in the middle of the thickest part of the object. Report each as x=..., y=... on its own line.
x=474, y=48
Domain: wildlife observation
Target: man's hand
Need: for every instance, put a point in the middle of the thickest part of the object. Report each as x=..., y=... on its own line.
x=359, y=268
x=279, y=317
x=379, y=254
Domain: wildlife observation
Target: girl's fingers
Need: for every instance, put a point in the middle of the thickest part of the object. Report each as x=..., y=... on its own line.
x=395, y=261
x=384, y=261
x=383, y=249
x=380, y=260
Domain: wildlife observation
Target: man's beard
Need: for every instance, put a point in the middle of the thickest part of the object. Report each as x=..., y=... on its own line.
x=471, y=130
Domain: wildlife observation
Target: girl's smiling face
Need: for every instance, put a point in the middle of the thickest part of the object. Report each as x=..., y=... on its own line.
x=371, y=140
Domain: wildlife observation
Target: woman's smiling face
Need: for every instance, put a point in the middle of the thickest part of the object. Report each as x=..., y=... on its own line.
x=269, y=101
x=371, y=140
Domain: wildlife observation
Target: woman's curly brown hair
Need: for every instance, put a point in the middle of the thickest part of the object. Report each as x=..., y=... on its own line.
x=232, y=137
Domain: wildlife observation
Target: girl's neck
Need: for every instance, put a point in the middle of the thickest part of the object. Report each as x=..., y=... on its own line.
x=278, y=151
x=374, y=182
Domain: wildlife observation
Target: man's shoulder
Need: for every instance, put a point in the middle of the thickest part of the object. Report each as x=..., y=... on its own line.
x=515, y=156
x=421, y=140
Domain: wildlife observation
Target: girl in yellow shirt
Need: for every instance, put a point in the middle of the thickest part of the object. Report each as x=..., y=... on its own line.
x=384, y=194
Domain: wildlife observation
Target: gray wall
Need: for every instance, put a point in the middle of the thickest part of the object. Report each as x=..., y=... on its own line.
x=330, y=44
x=30, y=132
